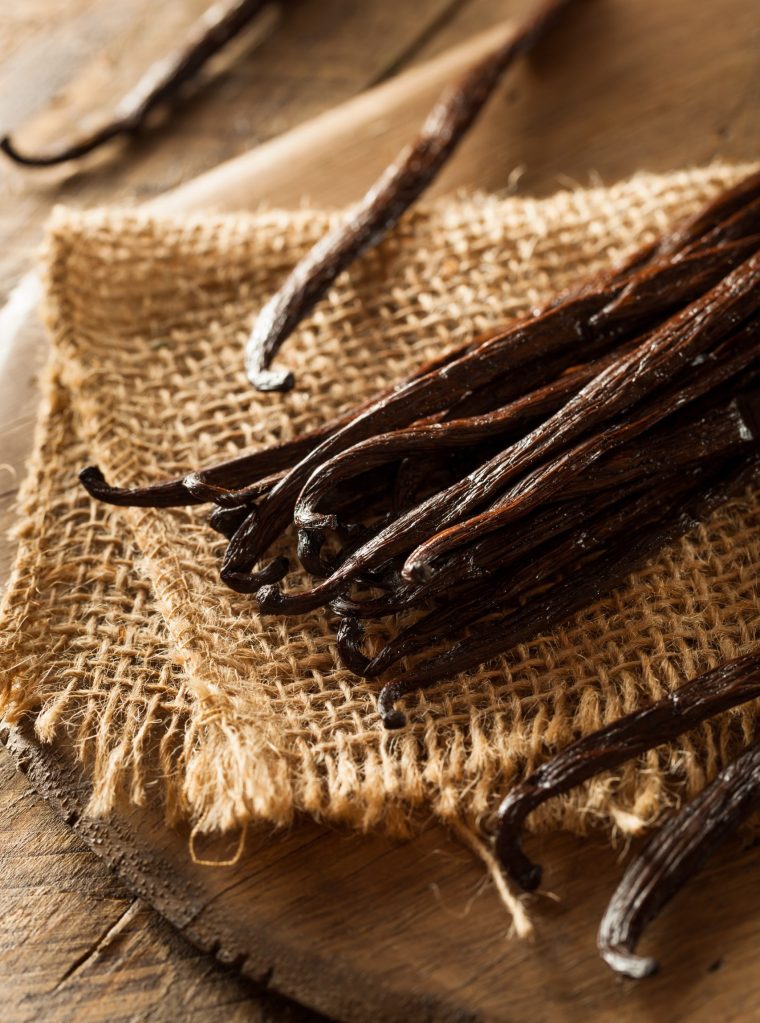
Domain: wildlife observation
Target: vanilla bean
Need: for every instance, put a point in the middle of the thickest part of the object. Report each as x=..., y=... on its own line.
x=718, y=435
x=446, y=506
x=253, y=470
x=159, y=86
x=711, y=693
x=468, y=604
x=613, y=392
x=676, y=852
x=589, y=584
x=396, y=189
x=439, y=436
x=481, y=559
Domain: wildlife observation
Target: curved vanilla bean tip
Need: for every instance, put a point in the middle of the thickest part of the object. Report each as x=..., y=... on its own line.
x=349, y=637
x=628, y=964
x=271, y=600
x=676, y=852
x=281, y=380
x=94, y=482
x=713, y=692
x=398, y=187
x=391, y=716
x=508, y=844
x=252, y=582
x=171, y=493
x=227, y=521
x=160, y=84
x=309, y=553
x=73, y=152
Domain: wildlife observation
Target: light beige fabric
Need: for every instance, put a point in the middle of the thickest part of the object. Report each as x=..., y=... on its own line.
x=117, y=628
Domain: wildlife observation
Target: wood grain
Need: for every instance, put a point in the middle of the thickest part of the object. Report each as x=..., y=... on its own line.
x=358, y=928
x=367, y=929
x=76, y=944
x=74, y=59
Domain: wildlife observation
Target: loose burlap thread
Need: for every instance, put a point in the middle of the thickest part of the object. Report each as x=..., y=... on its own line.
x=117, y=631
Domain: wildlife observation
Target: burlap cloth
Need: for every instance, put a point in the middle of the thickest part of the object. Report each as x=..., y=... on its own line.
x=117, y=631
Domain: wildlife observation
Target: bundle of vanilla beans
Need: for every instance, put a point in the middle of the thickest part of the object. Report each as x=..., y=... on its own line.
x=512, y=482
x=552, y=455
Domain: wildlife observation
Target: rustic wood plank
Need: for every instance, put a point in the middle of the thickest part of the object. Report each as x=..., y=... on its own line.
x=626, y=86
x=76, y=944
x=370, y=929
x=652, y=87
x=88, y=53
x=354, y=926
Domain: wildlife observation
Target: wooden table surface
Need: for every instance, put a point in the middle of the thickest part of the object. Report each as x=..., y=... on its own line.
x=74, y=943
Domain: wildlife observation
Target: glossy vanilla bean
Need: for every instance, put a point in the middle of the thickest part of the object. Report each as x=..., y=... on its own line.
x=692, y=457
x=615, y=392
x=159, y=86
x=446, y=506
x=647, y=461
x=587, y=585
x=711, y=693
x=469, y=605
x=676, y=852
x=393, y=193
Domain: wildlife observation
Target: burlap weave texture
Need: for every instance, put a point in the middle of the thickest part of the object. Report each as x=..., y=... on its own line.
x=116, y=626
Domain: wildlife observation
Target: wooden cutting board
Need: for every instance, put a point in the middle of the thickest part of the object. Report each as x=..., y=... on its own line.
x=362, y=928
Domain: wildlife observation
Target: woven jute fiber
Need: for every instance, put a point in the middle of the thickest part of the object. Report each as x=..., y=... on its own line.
x=117, y=630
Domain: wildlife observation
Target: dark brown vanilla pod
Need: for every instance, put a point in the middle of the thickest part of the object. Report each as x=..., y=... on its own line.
x=541, y=474
x=478, y=561
x=469, y=603
x=693, y=452
x=711, y=693
x=159, y=86
x=679, y=282
x=439, y=436
x=566, y=473
x=590, y=583
x=227, y=483
x=742, y=223
x=227, y=521
x=676, y=852
x=433, y=515
x=540, y=484
x=549, y=400
x=391, y=195
x=648, y=461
